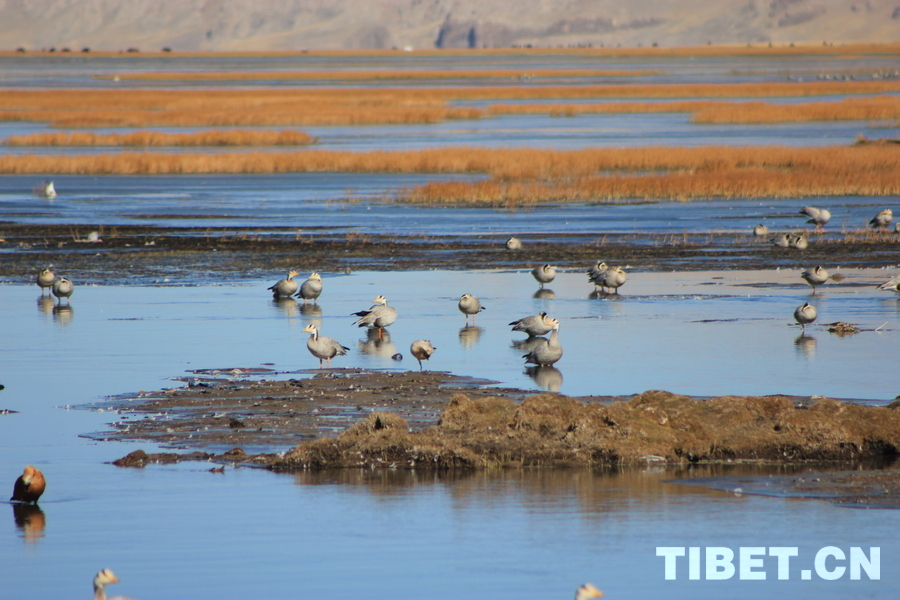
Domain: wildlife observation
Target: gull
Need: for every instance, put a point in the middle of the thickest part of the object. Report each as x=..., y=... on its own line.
x=544, y=274
x=469, y=305
x=323, y=348
x=805, y=314
x=379, y=316
x=62, y=288
x=311, y=288
x=817, y=216
x=45, y=280
x=422, y=350
x=883, y=219
x=546, y=352
x=285, y=288
x=533, y=325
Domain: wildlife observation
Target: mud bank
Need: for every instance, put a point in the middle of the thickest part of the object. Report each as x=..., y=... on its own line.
x=436, y=421
x=148, y=255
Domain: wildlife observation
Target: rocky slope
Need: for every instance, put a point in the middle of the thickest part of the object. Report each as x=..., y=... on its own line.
x=235, y=25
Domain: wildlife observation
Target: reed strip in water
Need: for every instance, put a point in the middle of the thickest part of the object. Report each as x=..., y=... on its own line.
x=160, y=139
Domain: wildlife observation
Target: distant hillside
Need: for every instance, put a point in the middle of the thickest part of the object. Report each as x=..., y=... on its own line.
x=217, y=25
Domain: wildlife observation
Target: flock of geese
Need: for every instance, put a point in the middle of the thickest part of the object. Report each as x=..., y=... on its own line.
x=819, y=217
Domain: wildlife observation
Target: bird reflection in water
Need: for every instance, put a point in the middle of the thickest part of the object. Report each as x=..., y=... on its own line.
x=30, y=519
x=45, y=304
x=544, y=294
x=63, y=314
x=469, y=335
x=311, y=311
x=288, y=305
x=806, y=345
x=549, y=379
x=528, y=344
x=381, y=347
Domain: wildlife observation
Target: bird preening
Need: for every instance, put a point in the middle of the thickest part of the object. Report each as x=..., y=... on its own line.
x=29, y=486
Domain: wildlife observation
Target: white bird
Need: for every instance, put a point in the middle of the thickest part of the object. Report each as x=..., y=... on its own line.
x=805, y=315
x=549, y=351
x=815, y=276
x=46, y=190
x=62, y=288
x=287, y=287
x=323, y=348
x=379, y=316
x=105, y=577
x=615, y=278
x=469, y=305
x=421, y=350
x=311, y=288
x=533, y=325
x=760, y=230
x=892, y=284
x=883, y=219
x=513, y=243
x=587, y=592
x=45, y=280
x=782, y=240
x=544, y=274
x=817, y=216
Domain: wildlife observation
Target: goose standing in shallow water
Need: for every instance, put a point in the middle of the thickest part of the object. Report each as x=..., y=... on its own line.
x=29, y=486
x=323, y=348
x=311, y=288
x=287, y=287
x=817, y=216
x=62, y=288
x=615, y=278
x=379, y=316
x=469, y=305
x=421, y=350
x=805, y=315
x=544, y=274
x=549, y=351
x=815, y=276
x=103, y=578
x=534, y=325
x=45, y=280
x=883, y=219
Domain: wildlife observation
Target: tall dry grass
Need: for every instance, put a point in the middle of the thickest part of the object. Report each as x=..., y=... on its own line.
x=520, y=177
x=160, y=139
x=339, y=106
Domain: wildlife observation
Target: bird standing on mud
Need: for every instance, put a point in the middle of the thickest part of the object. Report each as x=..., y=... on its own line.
x=323, y=348
x=379, y=315
x=421, y=350
x=805, y=315
x=469, y=305
x=547, y=351
x=883, y=219
x=817, y=216
x=544, y=274
x=311, y=288
x=45, y=280
x=285, y=288
x=815, y=276
x=29, y=486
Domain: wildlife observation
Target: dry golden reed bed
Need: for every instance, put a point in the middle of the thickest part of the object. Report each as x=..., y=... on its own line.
x=159, y=139
x=330, y=106
x=519, y=177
